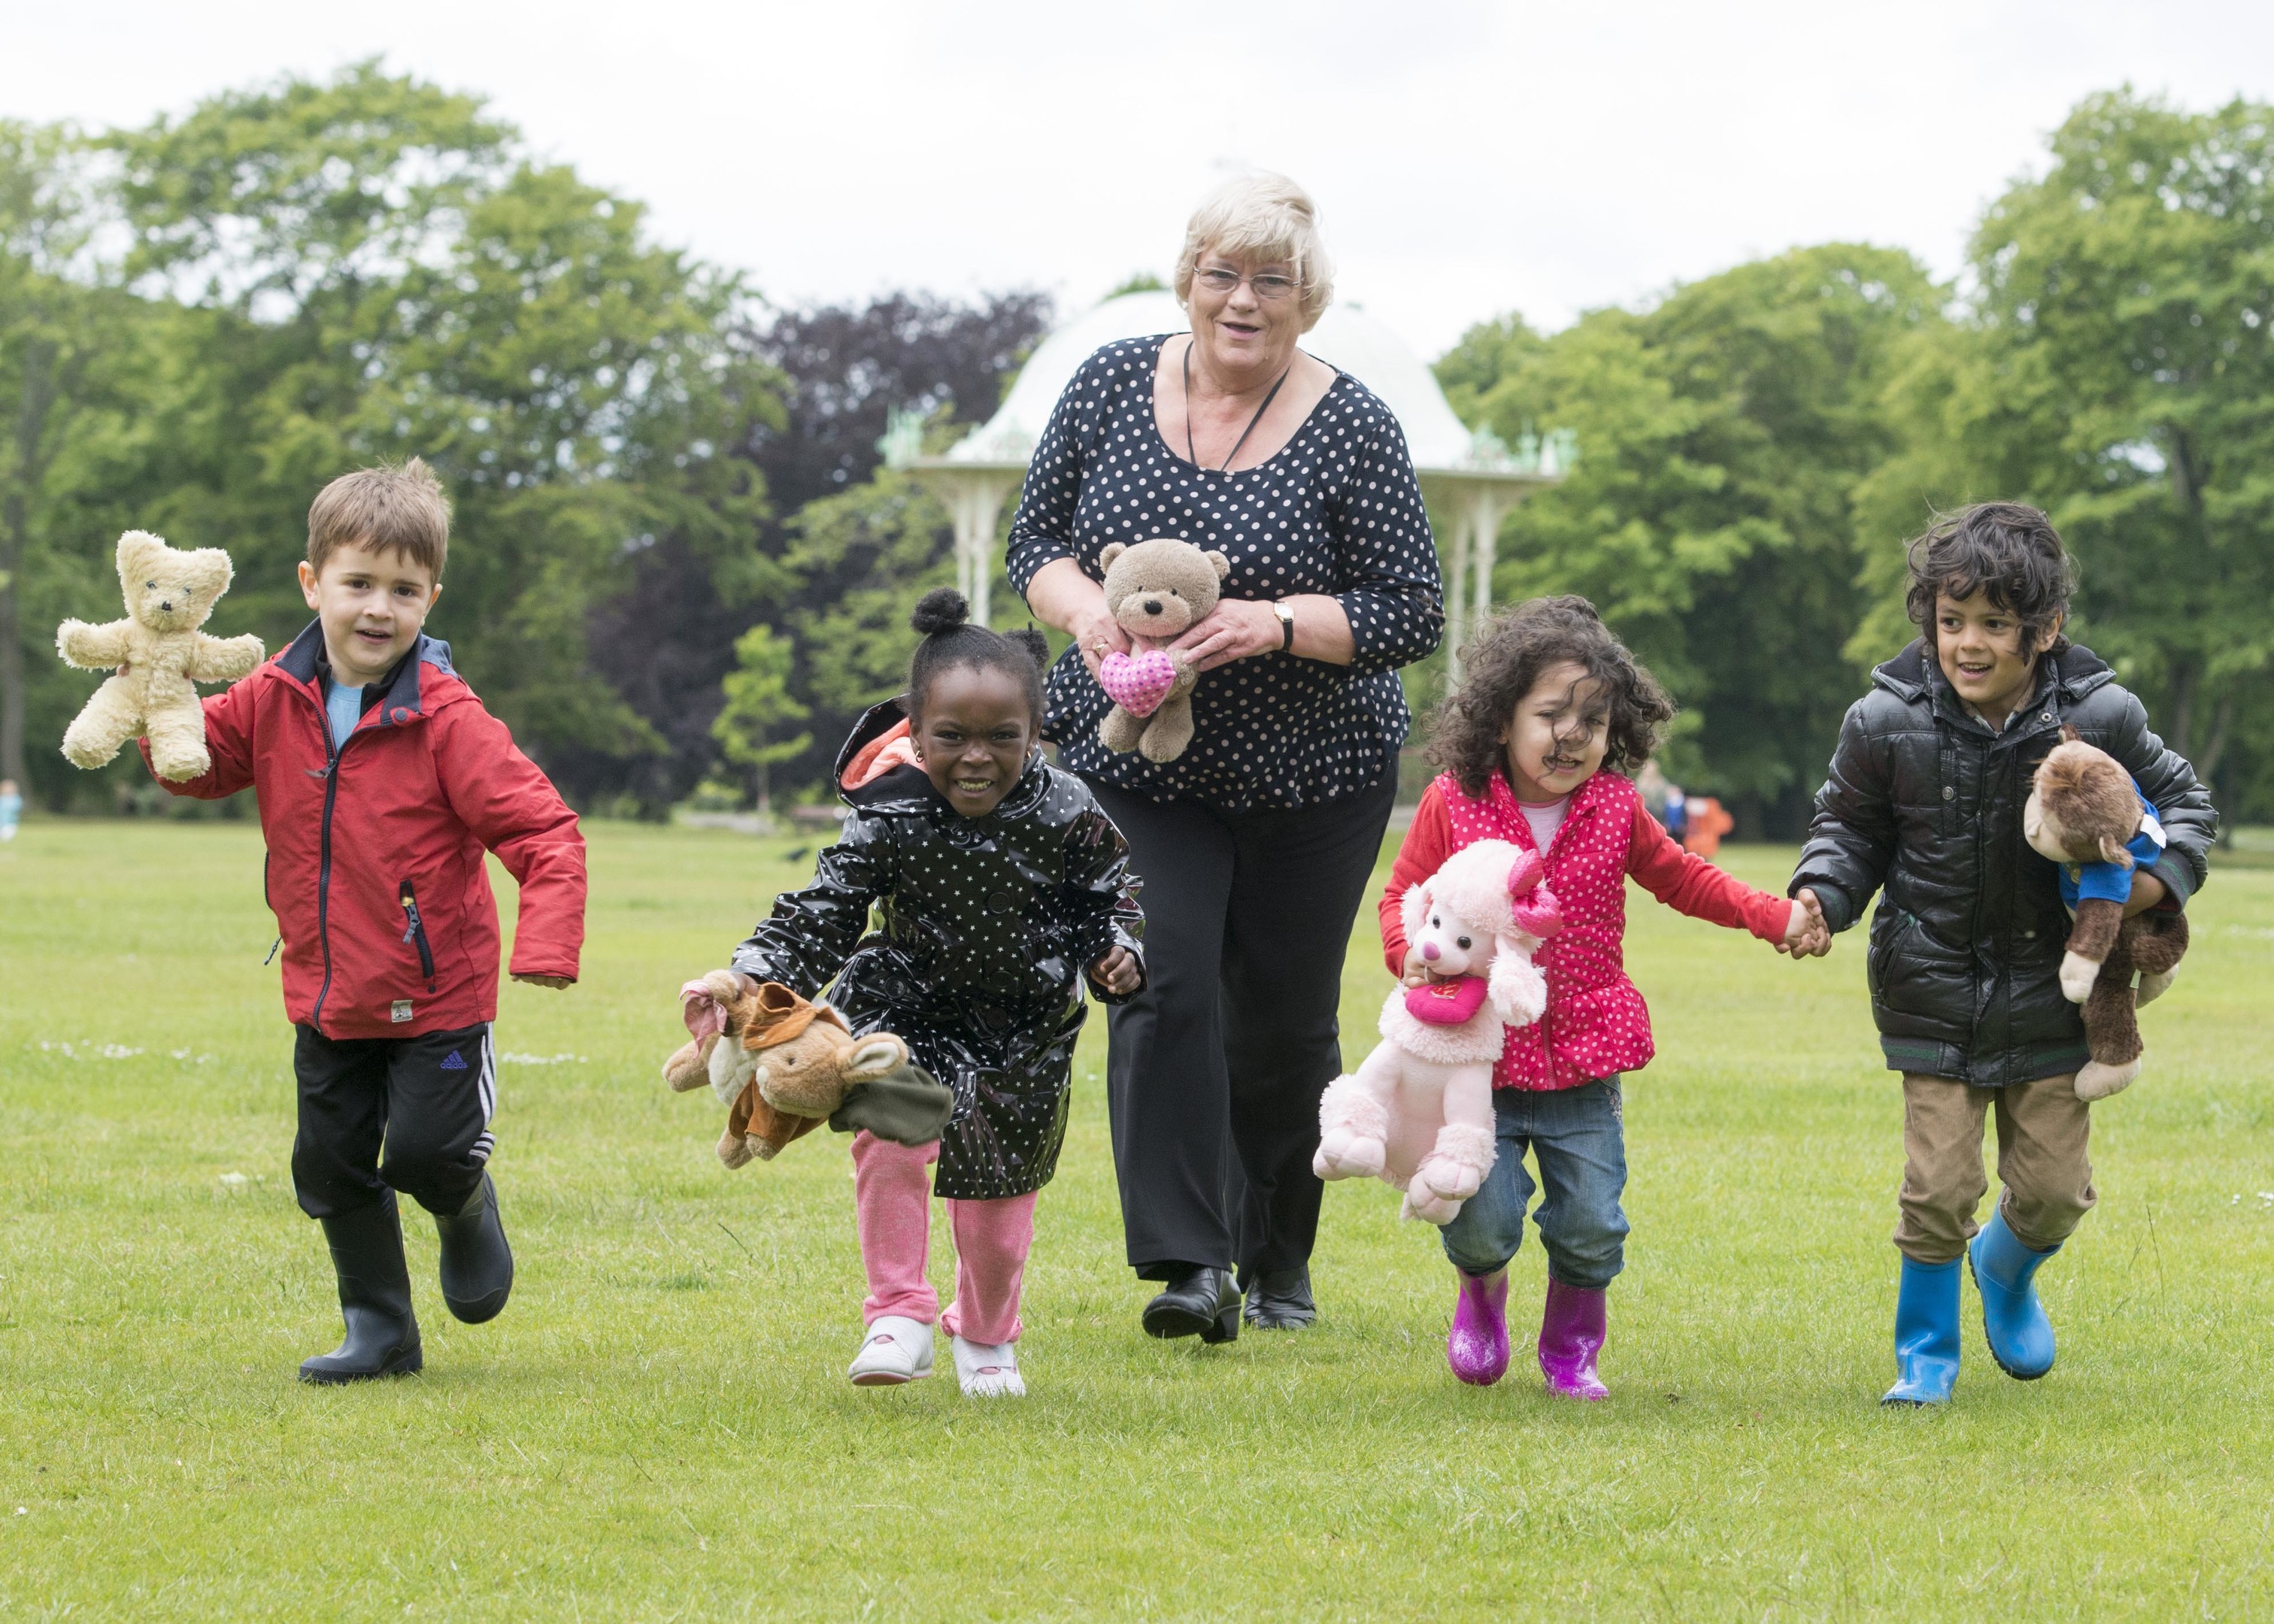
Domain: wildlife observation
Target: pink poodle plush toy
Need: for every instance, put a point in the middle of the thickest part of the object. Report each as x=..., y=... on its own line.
x=1417, y=1114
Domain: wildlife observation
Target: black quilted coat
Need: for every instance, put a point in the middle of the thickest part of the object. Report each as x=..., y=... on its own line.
x=1925, y=800
x=985, y=926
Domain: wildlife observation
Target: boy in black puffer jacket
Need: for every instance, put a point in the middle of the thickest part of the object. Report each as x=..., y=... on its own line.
x=1925, y=799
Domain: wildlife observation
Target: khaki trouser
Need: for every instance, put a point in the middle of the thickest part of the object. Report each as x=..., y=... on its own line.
x=2042, y=1132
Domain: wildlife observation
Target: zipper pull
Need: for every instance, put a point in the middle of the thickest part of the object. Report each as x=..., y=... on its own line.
x=410, y=910
x=273, y=946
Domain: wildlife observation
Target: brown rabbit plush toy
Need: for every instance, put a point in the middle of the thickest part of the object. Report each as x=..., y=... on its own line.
x=2086, y=814
x=783, y=1065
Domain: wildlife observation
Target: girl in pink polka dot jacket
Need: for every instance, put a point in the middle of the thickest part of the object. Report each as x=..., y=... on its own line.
x=1548, y=697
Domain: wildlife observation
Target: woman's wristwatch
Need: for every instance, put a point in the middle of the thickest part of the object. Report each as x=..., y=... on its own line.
x=1285, y=611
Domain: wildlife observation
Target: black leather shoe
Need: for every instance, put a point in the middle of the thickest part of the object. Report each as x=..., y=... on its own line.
x=476, y=1264
x=1280, y=1299
x=382, y=1337
x=1203, y=1303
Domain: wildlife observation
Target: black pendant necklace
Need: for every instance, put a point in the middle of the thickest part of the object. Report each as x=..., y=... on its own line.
x=1193, y=456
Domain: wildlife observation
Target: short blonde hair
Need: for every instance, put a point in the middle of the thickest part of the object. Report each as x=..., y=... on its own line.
x=391, y=508
x=1261, y=217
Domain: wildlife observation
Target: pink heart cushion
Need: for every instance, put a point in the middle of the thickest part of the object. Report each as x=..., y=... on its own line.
x=1137, y=682
x=1446, y=1003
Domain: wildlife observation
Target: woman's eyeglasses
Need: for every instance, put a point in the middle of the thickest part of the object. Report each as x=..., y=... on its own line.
x=1269, y=286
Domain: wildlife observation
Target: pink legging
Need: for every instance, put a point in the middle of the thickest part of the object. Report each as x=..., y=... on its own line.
x=892, y=1197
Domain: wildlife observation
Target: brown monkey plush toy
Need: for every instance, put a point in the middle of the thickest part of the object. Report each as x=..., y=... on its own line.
x=2086, y=814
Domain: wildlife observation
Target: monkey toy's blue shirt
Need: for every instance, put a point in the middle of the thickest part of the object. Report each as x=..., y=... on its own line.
x=2108, y=882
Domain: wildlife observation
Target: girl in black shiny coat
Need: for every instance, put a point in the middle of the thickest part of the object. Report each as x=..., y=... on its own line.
x=1000, y=888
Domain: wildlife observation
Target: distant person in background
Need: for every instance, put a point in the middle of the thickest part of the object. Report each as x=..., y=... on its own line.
x=1256, y=844
x=1704, y=823
x=11, y=809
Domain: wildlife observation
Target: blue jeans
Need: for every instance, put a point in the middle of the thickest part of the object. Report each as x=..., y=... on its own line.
x=1575, y=1135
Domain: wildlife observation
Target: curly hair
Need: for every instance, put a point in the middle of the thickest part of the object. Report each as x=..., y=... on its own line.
x=951, y=640
x=2009, y=550
x=1503, y=664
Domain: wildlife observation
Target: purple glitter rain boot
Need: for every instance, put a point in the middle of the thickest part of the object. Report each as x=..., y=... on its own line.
x=1570, y=1335
x=1477, y=1348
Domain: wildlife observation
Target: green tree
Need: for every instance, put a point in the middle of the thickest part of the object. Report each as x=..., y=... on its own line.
x=1722, y=433
x=373, y=268
x=759, y=703
x=72, y=361
x=2117, y=369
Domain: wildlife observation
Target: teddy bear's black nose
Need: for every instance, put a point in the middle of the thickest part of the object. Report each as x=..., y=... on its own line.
x=1152, y=605
x=166, y=607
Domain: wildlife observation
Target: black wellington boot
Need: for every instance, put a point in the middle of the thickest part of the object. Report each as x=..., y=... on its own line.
x=1203, y=1302
x=476, y=1264
x=382, y=1337
x=1280, y=1299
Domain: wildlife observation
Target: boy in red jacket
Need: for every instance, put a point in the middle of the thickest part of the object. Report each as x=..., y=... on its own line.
x=382, y=780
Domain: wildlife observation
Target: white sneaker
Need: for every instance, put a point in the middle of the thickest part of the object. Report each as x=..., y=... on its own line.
x=989, y=1372
x=895, y=1350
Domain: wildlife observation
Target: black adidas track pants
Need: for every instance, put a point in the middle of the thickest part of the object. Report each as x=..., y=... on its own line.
x=425, y=1101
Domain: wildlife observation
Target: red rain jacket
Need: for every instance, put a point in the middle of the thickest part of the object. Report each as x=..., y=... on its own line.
x=374, y=868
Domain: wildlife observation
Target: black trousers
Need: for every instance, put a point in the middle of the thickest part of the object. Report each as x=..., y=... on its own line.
x=426, y=1102
x=1215, y=1070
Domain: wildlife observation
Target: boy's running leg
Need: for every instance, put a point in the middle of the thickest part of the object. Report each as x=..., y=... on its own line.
x=343, y=1101
x=1578, y=1136
x=441, y=1092
x=992, y=1239
x=2043, y=1129
x=892, y=1200
x=1943, y=1183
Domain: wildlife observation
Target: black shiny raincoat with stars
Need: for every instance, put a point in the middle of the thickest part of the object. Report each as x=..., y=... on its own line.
x=987, y=928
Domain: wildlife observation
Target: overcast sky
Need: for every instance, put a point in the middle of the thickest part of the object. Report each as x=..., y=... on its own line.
x=1469, y=158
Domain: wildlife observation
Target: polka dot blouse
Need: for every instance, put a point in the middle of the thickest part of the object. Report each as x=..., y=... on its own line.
x=1337, y=511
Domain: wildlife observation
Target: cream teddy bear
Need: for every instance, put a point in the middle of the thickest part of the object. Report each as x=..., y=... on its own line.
x=157, y=653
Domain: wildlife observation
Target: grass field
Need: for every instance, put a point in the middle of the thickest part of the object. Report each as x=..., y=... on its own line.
x=659, y=1426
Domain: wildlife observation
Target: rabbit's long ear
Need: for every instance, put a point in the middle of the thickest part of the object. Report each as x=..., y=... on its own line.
x=875, y=1055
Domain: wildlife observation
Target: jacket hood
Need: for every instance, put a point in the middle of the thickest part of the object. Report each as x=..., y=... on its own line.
x=907, y=788
x=412, y=693
x=1915, y=678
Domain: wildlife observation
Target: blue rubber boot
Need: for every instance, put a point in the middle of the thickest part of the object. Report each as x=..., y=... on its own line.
x=1926, y=1334
x=2021, y=1337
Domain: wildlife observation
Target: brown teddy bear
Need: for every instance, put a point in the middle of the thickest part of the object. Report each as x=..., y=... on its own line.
x=155, y=654
x=1156, y=590
x=2085, y=813
x=783, y=1065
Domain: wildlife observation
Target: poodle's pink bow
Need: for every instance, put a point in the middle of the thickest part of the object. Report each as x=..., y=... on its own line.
x=1538, y=913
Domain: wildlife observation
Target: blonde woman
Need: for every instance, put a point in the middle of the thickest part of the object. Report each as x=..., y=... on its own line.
x=1256, y=844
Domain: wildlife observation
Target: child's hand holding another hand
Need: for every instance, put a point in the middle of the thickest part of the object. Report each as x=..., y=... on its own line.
x=1807, y=935
x=1116, y=973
